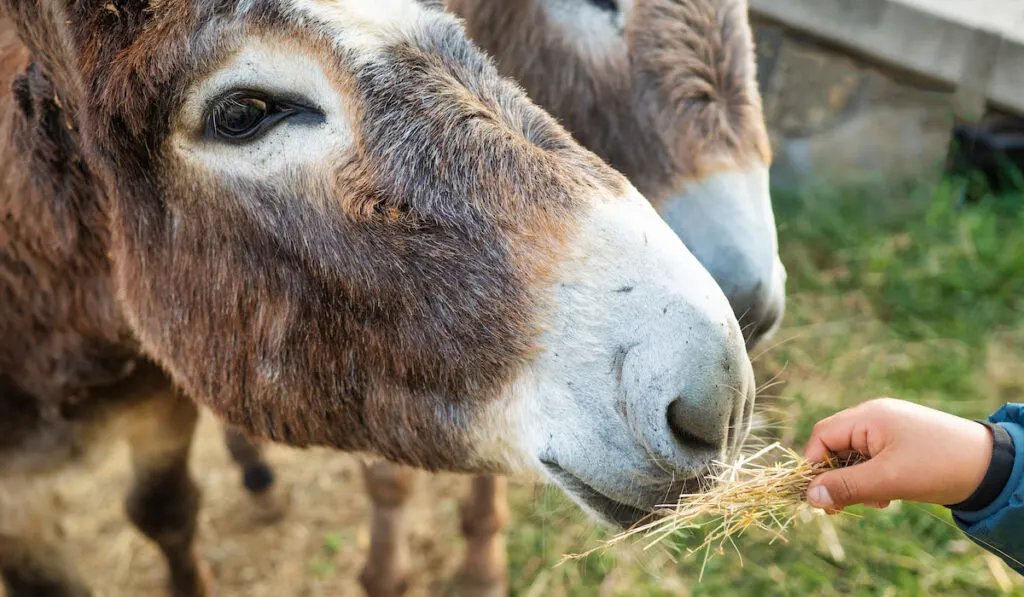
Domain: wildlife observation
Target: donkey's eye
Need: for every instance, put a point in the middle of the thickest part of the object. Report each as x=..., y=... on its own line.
x=239, y=117
x=611, y=5
x=245, y=115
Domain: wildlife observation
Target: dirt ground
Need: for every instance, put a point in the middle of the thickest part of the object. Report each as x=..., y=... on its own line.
x=316, y=549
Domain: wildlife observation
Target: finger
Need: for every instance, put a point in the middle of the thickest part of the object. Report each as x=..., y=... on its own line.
x=858, y=484
x=843, y=432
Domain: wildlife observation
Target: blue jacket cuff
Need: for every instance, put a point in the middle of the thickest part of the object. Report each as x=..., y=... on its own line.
x=1016, y=431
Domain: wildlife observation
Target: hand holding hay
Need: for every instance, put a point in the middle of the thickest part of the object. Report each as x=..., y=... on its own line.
x=742, y=495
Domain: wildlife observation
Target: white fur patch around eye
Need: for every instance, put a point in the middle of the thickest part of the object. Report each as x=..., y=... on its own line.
x=592, y=29
x=363, y=27
x=276, y=70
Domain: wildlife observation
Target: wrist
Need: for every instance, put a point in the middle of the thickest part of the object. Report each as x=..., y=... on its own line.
x=997, y=471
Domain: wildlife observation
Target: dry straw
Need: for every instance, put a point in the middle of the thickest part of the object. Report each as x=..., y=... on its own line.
x=744, y=494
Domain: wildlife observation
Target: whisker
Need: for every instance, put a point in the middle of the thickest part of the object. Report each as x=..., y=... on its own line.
x=767, y=386
x=773, y=379
x=777, y=344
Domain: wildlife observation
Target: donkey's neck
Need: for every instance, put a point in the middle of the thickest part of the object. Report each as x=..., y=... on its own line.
x=60, y=328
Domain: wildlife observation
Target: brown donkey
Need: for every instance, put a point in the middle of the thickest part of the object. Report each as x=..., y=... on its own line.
x=664, y=91
x=333, y=223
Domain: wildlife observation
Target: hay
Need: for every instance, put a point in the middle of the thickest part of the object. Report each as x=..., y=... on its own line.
x=741, y=495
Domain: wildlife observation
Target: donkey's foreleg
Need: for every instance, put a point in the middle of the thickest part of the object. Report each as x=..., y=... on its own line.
x=387, y=566
x=163, y=502
x=257, y=476
x=484, y=520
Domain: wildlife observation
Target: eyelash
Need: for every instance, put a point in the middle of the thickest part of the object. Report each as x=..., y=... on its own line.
x=276, y=110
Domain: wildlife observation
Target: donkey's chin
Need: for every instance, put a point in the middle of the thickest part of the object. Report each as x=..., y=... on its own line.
x=614, y=512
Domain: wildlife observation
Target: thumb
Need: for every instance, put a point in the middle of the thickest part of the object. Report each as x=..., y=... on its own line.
x=858, y=484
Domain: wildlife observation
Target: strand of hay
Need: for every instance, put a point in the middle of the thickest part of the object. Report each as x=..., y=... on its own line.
x=743, y=494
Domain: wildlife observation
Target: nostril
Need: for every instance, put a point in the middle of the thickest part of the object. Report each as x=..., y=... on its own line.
x=688, y=440
x=697, y=427
x=758, y=313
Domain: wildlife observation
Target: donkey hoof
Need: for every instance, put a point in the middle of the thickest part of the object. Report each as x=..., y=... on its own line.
x=258, y=478
x=375, y=586
x=476, y=588
x=193, y=581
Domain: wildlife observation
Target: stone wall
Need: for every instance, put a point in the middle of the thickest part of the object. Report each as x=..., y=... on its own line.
x=838, y=120
x=867, y=91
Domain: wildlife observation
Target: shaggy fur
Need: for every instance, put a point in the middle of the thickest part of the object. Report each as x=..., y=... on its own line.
x=673, y=98
x=375, y=302
x=135, y=252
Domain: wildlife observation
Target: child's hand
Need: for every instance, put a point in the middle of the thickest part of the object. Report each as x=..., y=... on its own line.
x=917, y=454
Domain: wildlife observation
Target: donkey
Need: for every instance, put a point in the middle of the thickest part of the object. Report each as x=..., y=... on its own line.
x=665, y=92
x=333, y=223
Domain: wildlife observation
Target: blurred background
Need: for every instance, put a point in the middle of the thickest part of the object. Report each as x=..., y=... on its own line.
x=900, y=205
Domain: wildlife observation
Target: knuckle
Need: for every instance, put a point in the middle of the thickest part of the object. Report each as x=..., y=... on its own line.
x=883, y=409
x=823, y=426
x=880, y=404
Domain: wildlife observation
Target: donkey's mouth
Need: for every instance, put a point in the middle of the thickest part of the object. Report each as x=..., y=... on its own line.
x=613, y=511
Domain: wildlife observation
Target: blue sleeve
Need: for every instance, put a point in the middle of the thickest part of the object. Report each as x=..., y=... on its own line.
x=999, y=527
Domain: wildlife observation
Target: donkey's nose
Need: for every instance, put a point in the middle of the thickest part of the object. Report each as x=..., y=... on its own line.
x=707, y=424
x=761, y=305
x=700, y=427
x=692, y=408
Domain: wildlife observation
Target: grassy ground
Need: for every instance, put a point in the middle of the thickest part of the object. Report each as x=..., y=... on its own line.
x=911, y=296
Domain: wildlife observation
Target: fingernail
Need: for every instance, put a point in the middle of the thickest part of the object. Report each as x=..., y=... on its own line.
x=819, y=497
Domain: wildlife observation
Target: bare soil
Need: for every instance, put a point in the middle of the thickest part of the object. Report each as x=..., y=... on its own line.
x=316, y=549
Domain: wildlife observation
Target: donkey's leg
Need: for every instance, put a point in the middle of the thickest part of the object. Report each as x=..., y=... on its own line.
x=164, y=501
x=484, y=520
x=33, y=566
x=257, y=476
x=387, y=566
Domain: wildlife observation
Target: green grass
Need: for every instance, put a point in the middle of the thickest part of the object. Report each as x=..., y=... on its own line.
x=912, y=296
